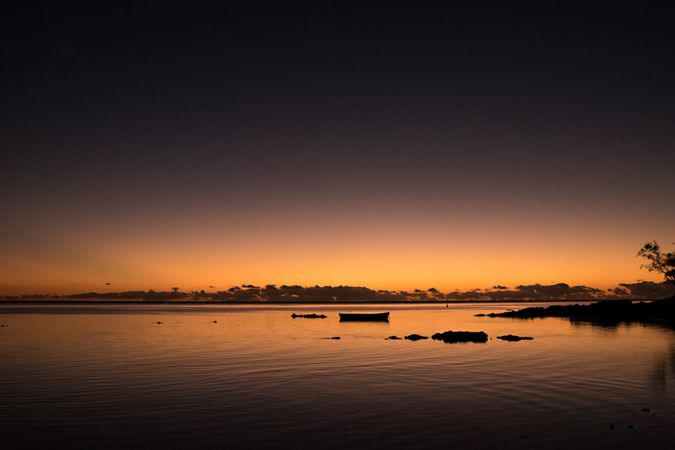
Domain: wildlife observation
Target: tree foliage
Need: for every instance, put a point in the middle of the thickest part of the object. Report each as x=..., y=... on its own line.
x=658, y=261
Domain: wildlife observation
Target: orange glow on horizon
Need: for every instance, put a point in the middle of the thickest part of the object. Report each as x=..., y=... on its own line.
x=378, y=256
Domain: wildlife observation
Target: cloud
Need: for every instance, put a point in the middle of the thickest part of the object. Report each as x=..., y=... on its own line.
x=645, y=290
x=557, y=291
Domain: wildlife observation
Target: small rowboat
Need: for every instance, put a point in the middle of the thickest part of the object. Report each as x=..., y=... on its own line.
x=364, y=317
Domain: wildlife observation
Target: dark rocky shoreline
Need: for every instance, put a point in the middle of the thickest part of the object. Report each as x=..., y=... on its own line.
x=607, y=311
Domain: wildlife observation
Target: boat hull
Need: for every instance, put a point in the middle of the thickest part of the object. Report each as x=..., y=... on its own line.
x=364, y=317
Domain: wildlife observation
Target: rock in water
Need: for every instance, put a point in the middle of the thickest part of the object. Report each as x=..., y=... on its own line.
x=392, y=338
x=309, y=316
x=514, y=338
x=416, y=337
x=450, y=337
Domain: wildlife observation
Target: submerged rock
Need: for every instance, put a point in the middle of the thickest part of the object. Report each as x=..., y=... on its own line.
x=450, y=337
x=309, y=316
x=392, y=338
x=480, y=315
x=416, y=337
x=335, y=338
x=514, y=338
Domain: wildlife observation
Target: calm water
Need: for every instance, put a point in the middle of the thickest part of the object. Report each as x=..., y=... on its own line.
x=96, y=376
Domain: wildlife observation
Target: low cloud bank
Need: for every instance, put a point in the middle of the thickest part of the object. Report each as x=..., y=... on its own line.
x=644, y=290
x=558, y=291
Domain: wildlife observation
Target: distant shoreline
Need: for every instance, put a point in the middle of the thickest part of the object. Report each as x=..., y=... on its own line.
x=54, y=301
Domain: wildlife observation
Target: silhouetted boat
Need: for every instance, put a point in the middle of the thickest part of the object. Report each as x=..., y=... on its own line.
x=364, y=317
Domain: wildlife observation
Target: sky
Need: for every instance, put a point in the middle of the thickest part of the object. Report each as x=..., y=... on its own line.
x=392, y=145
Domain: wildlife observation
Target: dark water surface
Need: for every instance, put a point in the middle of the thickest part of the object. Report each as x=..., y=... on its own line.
x=106, y=376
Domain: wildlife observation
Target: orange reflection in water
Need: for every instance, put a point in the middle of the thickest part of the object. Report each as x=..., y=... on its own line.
x=250, y=375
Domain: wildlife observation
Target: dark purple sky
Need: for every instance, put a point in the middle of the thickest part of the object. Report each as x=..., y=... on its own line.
x=363, y=144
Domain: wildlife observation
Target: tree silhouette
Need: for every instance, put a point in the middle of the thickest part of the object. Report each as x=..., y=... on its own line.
x=658, y=261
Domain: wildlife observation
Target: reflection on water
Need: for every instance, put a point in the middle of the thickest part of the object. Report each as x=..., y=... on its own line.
x=110, y=376
x=663, y=369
